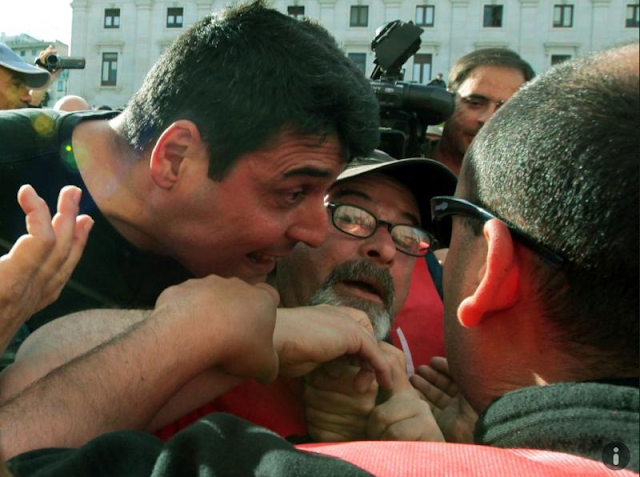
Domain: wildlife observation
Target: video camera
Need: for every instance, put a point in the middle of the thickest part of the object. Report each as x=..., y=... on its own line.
x=53, y=62
x=406, y=109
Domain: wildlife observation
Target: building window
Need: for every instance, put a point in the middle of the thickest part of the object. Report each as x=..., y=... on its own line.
x=422, y=67
x=359, y=16
x=112, y=18
x=633, y=16
x=109, y=69
x=296, y=11
x=23, y=52
x=563, y=16
x=175, y=17
x=360, y=59
x=557, y=59
x=425, y=15
x=493, y=16
x=60, y=86
x=34, y=52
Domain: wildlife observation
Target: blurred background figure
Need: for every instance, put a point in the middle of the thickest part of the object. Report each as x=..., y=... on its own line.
x=71, y=103
x=438, y=81
x=17, y=78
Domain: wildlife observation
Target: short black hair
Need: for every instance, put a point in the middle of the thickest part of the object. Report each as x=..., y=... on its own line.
x=487, y=57
x=560, y=161
x=247, y=74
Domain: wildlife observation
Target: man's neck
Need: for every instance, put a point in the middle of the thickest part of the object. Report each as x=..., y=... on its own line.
x=447, y=155
x=111, y=173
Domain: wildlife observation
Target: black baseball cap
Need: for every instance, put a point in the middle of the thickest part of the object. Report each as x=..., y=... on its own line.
x=426, y=178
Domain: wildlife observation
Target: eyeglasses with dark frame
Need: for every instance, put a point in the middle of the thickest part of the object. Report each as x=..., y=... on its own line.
x=443, y=206
x=357, y=222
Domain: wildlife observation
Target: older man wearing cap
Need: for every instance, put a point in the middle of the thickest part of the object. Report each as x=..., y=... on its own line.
x=17, y=78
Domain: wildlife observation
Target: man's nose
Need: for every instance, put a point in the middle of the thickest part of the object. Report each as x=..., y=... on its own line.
x=311, y=226
x=24, y=94
x=380, y=247
x=486, y=113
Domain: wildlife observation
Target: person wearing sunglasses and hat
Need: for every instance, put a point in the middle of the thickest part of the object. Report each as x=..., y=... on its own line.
x=17, y=78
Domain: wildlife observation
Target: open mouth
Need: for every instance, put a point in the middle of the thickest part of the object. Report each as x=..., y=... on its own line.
x=261, y=258
x=365, y=288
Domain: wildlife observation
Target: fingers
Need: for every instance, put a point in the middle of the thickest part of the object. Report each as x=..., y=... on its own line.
x=371, y=354
x=441, y=365
x=271, y=291
x=403, y=417
x=432, y=394
x=37, y=216
x=398, y=366
x=442, y=381
x=64, y=222
x=359, y=316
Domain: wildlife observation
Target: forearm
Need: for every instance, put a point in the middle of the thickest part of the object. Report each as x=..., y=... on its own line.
x=62, y=340
x=119, y=385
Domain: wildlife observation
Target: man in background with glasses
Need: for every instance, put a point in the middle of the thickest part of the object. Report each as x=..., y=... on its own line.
x=482, y=81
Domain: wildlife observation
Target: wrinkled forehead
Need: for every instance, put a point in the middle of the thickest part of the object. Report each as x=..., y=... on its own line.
x=375, y=188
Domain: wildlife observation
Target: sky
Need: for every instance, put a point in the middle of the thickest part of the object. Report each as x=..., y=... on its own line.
x=42, y=19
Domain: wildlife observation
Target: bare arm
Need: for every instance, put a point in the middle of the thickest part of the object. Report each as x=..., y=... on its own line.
x=61, y=340
x=124, y=383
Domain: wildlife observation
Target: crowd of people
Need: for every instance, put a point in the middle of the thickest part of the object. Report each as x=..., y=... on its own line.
x=236, y=281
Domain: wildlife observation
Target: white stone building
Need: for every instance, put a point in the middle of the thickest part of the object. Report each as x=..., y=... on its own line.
x=121, y=39
x=29, y=48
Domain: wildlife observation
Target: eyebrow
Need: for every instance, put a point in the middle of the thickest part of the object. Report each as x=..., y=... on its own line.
x=309, y=172
x=362, y=195
x=478, y=97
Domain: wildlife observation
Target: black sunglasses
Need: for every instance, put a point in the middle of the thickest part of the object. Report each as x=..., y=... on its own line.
x=443, y=206
x=358, y=222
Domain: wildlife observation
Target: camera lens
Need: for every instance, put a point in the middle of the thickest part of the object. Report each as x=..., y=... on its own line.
x=52, y=61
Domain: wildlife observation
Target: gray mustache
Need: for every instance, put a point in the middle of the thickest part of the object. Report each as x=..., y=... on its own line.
x=363, y=270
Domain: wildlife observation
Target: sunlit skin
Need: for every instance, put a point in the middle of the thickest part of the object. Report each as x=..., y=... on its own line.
x=14, y=93
x=385, y=198
x=478, y=98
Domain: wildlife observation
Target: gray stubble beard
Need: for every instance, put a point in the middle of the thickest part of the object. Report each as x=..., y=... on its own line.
x=381, y=317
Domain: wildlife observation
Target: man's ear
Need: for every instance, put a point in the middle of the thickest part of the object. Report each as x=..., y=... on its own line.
x=175, y=143
x=498, y=277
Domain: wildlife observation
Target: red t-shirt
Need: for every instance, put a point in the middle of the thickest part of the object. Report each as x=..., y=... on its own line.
x=418, y=329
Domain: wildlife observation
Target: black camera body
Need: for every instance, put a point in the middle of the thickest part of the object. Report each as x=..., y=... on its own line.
x=53, y=62
x=406, y=109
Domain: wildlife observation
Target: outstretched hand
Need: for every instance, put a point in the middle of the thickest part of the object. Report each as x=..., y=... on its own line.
x=454, y=415
x=39, y=264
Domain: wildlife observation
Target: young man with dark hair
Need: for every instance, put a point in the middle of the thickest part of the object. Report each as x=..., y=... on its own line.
x=481, y=81
x=218, y=164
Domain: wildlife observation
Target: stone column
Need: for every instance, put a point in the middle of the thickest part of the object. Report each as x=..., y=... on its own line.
x=528, y=38
x=600, y=25
x=458, y=30
x=143, y=58
x=76, y=82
